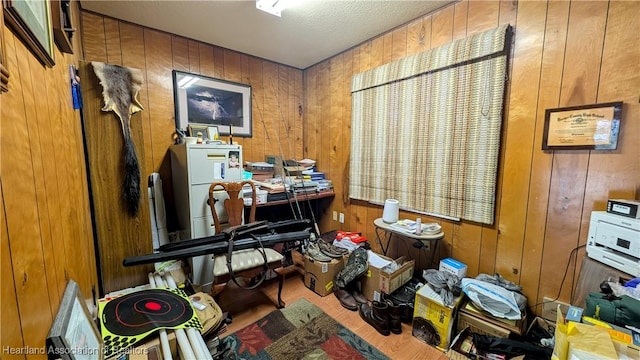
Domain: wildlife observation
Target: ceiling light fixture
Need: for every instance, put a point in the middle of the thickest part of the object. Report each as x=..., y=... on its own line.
x=273, y=7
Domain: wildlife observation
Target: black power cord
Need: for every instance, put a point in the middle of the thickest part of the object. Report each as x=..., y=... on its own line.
x=564, y=277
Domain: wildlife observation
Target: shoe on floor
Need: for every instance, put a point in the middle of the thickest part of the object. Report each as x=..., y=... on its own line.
x=376, y=315
x=331, y=250
x=314, y=252
x=354, y=289
x=346, y=300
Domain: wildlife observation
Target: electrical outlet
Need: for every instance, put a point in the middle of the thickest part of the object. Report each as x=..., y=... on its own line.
x=550, y=308
x=341, y=218
x=335, y=215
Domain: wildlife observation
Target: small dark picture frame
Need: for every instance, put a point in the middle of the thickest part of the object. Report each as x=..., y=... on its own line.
x=74, y=335
x=588, y=127
x=194, y=129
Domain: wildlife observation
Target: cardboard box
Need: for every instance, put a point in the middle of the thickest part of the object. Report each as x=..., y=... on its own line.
x=319, y=275
x=481, y=322
x=433, y=322
x=376, y=281
x=454, y=267
x=462, y=348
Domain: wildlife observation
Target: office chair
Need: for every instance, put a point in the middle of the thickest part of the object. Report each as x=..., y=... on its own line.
x=248, y=263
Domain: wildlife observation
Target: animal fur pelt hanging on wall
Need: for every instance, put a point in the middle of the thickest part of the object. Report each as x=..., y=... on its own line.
x=120, y=87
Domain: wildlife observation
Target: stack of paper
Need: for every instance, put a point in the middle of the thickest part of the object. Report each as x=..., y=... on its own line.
x=410, y=226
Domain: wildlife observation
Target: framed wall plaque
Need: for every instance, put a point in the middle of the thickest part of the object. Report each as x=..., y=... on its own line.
x=589, y=127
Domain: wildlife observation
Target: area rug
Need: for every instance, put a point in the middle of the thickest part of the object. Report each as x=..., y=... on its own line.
x=299, y=331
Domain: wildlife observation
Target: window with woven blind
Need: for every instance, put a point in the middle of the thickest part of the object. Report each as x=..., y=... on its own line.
x=426, y=129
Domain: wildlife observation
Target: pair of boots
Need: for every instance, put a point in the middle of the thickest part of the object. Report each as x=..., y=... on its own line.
x=383, y=316
x=350, y=297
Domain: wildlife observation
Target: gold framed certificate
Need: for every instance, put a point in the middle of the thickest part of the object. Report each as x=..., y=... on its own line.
x=590, y=127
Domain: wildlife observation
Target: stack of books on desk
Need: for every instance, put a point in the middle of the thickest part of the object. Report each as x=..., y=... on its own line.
x=410, y=226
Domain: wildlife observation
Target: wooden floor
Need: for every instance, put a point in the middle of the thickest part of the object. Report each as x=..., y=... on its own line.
x=247, y=306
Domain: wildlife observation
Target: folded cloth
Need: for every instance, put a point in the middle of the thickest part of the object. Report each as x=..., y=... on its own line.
x=346, y=244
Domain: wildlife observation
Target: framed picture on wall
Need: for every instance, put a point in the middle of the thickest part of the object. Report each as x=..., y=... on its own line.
x=213, y=102
x=61, y=24
x=30, y=21
x=588, y=127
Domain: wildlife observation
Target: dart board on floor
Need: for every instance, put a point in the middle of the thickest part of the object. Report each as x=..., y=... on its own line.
x=129, y=318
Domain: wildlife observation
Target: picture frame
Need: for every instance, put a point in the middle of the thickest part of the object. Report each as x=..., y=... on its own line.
x=212, y=132
x=212, y=102
x=31, y=22
x=4, y=72
x=61, y=24
x=194, y=129
x=586, y=127
x=73, y=334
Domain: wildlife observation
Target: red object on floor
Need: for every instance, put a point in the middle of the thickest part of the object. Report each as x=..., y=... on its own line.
x=355, y=237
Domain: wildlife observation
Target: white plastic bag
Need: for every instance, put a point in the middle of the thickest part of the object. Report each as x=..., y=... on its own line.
x=497, y=300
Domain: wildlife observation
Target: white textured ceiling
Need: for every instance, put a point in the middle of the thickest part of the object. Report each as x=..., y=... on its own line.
x=308, y=32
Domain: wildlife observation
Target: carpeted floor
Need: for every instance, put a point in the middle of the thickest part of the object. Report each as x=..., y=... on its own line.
x=299, y=331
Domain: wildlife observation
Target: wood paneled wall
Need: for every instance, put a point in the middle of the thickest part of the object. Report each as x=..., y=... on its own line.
x=276, y=113
x=46, y=235
x=277, y=89
x=565, y=53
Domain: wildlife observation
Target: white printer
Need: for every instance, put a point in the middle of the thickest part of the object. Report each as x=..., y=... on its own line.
x=615, y=240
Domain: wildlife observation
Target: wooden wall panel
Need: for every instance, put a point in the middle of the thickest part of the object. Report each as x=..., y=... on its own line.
x=194, y=57
x=180, y=53
x=112, y=37
x=489, y=240
x=552, y=62
x=257, y=114
x=418, y=35
x=39, y=138
x=118, y=234
x=619, y=79
x=544, y=199
x=570, y=168
x=46, y=225
x=21, y=206
x=205, y=53
x=11, y=331
x=157, y=54
x=519, y=136
x=93, y=37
